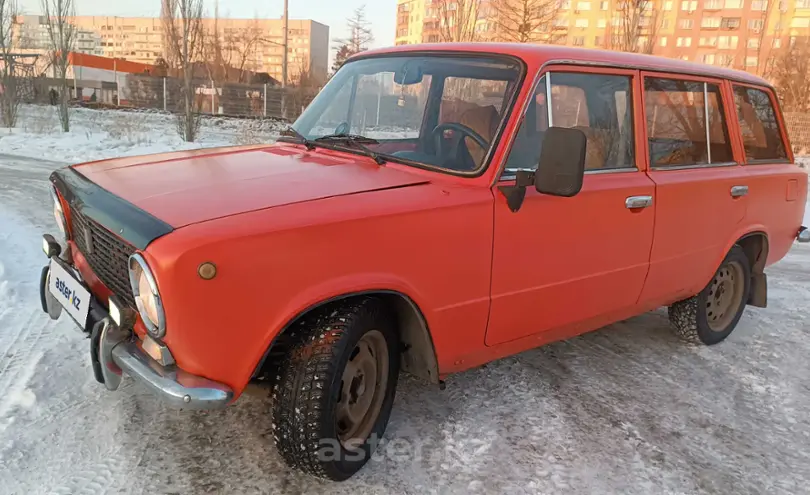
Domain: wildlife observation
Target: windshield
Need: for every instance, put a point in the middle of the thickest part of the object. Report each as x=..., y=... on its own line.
x=434, y=110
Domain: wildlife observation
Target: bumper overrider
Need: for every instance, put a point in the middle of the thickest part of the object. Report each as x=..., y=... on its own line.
x=803, y=235
x=115, y=350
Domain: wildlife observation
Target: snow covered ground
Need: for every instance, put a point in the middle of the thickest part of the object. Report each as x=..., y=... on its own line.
x=627, y=409
x=98, y=134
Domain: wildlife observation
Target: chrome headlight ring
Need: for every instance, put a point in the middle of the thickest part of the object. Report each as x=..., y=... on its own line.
x=59, y=213
x=147, y=298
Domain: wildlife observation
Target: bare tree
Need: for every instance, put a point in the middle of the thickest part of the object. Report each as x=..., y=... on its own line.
x=764, y=51
x=213, y=51
x=457, y=19
x=61, y=38
x=182, y=26
x=524, y=21
x=242, y=48
x=229, y=52
x=9, y=99
x=306, y=87
x=635, y=26
x=790, y=73
x=359, y=39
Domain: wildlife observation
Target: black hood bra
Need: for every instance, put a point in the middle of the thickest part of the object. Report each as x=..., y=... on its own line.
x=122, y=218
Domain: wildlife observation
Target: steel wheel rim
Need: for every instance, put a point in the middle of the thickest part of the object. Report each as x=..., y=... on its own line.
x=725, y=296
x=362, y=389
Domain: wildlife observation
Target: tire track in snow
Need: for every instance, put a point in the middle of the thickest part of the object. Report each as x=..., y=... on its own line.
x=12, y=338
x=22, y=326
x=18, y=365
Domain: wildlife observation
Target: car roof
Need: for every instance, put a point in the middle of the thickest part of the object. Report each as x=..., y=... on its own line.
x=566, y=54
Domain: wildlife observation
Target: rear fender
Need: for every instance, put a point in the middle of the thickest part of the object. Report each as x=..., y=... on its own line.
x=759, y=281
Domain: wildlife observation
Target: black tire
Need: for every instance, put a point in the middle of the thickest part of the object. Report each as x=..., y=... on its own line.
x=309, y=385
x=693, y=318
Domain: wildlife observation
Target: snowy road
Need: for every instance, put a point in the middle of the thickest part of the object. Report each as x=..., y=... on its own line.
x=626, y=409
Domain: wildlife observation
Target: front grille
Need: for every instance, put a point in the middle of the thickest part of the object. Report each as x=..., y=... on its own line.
x=107, y=255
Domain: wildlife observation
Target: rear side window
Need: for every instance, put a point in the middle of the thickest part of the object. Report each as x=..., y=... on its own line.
x=686, y=123
x=761, y=136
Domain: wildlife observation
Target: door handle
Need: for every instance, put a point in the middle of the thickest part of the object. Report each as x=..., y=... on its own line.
x=636, y=202
x=739, y=191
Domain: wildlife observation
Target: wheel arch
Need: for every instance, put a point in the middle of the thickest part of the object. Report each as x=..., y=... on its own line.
x=754, y=243
x=418, y=355
x=756, y=246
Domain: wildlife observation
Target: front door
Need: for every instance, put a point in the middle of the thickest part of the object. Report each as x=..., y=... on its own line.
x=560, y=261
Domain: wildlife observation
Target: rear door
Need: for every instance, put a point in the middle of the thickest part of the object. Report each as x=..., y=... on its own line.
x=778, y=189
x=700, y=187
x=559, y=262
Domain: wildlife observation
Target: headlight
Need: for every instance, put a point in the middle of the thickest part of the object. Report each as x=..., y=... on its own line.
x=58, y=213
x=147, y=298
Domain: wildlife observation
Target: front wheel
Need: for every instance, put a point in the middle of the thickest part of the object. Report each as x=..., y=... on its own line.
x=712, y=315
x=333, y=394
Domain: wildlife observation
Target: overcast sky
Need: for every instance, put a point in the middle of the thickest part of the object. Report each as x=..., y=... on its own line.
x=333, y=13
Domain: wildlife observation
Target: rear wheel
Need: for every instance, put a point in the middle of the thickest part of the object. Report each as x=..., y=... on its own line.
x=334, y=391
x=712, y=315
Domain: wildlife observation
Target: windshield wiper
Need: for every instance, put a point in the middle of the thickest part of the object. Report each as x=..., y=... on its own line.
x=297, y=137
x=359, y=142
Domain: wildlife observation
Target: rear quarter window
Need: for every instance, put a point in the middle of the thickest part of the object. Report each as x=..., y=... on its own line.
x=761, y=135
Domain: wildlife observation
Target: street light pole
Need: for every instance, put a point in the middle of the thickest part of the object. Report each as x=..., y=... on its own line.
x=284, y=61
x=286, y=45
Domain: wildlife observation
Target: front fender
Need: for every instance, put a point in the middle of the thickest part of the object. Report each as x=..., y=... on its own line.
x=430, y=244
x=331, y=290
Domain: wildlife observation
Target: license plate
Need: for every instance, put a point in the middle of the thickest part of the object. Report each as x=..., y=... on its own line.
x=70, y=293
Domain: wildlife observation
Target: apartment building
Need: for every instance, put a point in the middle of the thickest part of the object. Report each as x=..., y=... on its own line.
x=742, y=34
x=411, y=19
x=256, y=42
x=420, y=21
x=33, y=36
x=307, y=45
x=731, y=33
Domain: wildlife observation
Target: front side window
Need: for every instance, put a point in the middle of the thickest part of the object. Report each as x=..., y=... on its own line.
x=598, y=105
x=761, y=135
x=436, y=110
x=677, y=116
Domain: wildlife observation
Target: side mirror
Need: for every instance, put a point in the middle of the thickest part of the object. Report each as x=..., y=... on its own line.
x=560, y=171
x=562, y=162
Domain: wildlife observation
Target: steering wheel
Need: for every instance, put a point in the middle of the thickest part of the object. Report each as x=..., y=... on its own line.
x=342, y=128
x=460, y=131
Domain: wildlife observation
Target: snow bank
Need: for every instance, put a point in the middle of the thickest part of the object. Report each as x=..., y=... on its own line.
x=99, y=134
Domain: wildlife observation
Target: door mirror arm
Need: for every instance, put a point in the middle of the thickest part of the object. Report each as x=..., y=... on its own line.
x=517, y=193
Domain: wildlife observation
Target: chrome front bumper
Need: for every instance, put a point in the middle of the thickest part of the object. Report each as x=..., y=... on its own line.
x=115, y=351
x=803, y=235
x=120, y=353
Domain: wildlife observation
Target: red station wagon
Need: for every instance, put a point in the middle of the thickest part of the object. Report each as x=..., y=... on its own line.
x=436, y=207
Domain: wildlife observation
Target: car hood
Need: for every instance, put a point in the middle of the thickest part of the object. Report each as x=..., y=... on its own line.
x=190, y=187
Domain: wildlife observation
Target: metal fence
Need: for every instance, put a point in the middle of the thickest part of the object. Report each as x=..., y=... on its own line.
x=166, y=94
x=798, y=125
